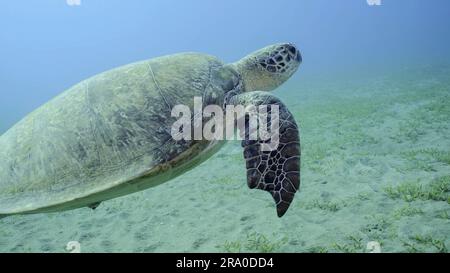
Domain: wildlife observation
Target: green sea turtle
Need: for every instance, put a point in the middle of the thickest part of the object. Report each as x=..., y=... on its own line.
x=109, y=135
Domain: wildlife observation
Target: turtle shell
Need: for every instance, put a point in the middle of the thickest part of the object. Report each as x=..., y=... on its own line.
x=108, y=136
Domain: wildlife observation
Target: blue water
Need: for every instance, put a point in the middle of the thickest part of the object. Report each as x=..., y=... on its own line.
x=48, y=45
x=371, y=98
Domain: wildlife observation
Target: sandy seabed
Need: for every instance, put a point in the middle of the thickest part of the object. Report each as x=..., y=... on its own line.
x=375, y=167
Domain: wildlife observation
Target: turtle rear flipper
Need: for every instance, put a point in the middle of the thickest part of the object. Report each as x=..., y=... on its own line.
x=93, y=206
x=277, y=170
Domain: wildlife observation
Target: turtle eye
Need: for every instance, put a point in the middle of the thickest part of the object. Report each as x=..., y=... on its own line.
x=284, y=58
x=292, y=49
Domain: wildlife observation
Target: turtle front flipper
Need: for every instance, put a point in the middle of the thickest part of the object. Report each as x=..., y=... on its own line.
x=277, y=170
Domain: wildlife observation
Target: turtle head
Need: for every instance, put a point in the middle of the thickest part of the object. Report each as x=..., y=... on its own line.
x=268, y=68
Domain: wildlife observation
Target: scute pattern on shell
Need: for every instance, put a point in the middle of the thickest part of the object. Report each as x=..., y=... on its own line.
x=102, y=133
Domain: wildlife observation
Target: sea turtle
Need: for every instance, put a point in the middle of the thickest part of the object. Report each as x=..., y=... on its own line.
x=110, y=135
